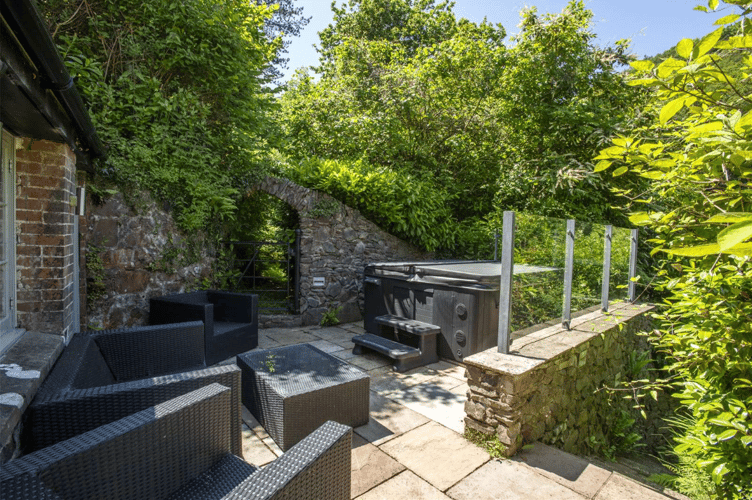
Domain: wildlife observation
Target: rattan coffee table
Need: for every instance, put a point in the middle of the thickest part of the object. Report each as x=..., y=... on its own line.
x=292, y=390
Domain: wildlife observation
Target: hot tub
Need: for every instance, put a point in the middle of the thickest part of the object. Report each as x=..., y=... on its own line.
x=460, y=297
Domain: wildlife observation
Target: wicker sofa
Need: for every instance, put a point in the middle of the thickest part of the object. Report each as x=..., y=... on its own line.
x=179, y=449
x=103, y=376
x=230, y=319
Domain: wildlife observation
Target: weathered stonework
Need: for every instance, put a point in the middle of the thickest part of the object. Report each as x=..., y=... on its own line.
x=336, y=245
x=132, y=247
x=549, y=387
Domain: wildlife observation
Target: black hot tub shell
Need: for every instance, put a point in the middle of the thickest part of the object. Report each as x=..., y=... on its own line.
x=460, y=297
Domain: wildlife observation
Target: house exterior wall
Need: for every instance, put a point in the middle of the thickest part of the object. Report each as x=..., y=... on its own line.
x=45, y=211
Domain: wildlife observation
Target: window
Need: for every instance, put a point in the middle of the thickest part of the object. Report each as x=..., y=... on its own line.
x=8, y=332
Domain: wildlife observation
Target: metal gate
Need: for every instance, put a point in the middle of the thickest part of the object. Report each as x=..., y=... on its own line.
x=271, y=270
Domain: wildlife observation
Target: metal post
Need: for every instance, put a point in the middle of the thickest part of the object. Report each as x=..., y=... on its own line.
x=505, y=289
x=606, y=267
x=632, y=289
x=297, y=271
x=496, y=245
x=566, y=316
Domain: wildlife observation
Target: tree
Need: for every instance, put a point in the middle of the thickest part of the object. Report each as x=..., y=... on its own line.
x=405, y=86
x=562, y=100
x=696, y=154
x=176, y=93
x=286, y=21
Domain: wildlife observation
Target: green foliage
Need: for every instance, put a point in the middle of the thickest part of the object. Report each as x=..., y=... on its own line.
x=687, y=478
x=324, y=208
x=95, y=274
x=562, y=101
x=489, y=442
x=406, y=86
x=620, y=438
x=405, y=206
x=414, y=95
x=330, y=317
x=695, y=153
x=223, y=274
x=175, y=93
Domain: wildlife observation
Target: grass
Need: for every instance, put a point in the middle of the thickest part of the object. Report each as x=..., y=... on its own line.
x=489, y=442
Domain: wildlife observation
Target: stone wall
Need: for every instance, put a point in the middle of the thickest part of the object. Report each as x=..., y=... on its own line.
x=549, y=387
x=337, y=243
x=140, y=252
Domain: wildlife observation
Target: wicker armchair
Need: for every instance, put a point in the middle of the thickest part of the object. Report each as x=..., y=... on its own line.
x=107, y=375
x=179, y=450
x=230, y=319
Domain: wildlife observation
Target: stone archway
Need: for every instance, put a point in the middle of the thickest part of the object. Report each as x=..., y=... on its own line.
x=336, y=244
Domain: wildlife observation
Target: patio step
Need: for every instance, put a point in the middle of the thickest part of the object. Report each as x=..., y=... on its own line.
x=405, y=357
x=387, y=347
x=412, y=326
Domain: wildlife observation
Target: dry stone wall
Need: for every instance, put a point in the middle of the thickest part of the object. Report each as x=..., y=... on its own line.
x=549, y=387
x=133, y=247
x=336, y=244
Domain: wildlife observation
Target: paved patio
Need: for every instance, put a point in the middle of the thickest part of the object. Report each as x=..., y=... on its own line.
x=413, y=448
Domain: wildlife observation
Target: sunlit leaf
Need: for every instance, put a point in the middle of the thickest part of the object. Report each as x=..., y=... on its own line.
x=602, y=165
x=730, y=217
x=727, y=19
x=642, y=65
x=696, y=251
x=735, y=234
x=669, y=66
x=708, y=42
x=639, y=218
x=670, y=109
x=684, y=48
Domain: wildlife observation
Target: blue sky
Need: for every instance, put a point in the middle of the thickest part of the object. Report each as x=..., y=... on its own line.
x=653, y=25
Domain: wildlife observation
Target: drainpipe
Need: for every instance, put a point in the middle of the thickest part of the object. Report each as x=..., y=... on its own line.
x=31, y=31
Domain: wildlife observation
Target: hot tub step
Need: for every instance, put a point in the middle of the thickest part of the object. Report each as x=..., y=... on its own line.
x=390, y=348
x=404, y=356
x=412, y=326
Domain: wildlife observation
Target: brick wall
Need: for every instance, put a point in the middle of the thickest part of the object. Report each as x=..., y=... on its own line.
x=45, y=208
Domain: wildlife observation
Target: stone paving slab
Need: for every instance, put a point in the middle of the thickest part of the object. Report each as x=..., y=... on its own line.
x=440, y=456
x=325, y=346
x=344, y=354
x=333, y=334
x=259, y=431
x=396, y=381
x=509, y=480
x=290, y=337
x=369, y=361
x=619, y=487
x=388, y=420
x=568, y=470
x=254, y=450
x=445, y=368
x=406, y=485
x=370, y=466
x=430, y=399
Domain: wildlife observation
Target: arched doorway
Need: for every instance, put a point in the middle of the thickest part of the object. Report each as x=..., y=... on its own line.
x=264, y=245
